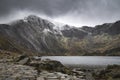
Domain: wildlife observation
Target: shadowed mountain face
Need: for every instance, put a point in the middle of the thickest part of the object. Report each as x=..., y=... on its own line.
x=109, y=28
x=37, y=36
x=33, y=34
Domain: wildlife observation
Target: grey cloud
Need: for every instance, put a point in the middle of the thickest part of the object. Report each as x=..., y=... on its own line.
x=49, y=7
x=98, y=11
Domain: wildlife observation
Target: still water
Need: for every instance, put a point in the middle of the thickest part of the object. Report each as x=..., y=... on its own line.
x=85, y=60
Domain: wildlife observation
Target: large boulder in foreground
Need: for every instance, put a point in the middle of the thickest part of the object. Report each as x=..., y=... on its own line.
x=51, y=66
x=42, y=65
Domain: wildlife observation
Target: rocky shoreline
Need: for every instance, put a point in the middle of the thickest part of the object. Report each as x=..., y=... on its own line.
x=22, y=67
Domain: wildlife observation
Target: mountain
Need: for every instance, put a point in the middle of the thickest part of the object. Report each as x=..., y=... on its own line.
x=32, y=34
x=109, y=28
x=36, y=36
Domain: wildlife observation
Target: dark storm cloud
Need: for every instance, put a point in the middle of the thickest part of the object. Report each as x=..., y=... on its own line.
x=49, y=7
x=74, y=12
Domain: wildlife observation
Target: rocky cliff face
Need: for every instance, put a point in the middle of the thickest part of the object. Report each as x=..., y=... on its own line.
x=33, y=34
x=37, y=36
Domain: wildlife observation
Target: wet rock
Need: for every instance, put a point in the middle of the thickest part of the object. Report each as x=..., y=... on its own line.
x=20, y=57
x=24, y=61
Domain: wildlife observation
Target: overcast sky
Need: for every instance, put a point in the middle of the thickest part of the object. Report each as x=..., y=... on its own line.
x=73, y=12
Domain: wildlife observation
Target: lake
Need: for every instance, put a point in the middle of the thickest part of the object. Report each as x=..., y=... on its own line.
x=85, y=60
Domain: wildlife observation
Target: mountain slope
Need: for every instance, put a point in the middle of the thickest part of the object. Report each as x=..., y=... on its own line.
x=36, y=36
x=33, y=34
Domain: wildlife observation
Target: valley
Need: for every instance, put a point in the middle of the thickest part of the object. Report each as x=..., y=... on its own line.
x=36, y=36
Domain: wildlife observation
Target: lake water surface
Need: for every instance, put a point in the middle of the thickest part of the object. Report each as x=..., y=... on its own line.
x=86, y=60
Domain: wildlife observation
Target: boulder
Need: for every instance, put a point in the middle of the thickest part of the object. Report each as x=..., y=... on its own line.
x=50, y=65
x=22, y=59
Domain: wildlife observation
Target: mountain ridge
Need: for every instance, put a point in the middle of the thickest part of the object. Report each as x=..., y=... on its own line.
x=37, y=36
